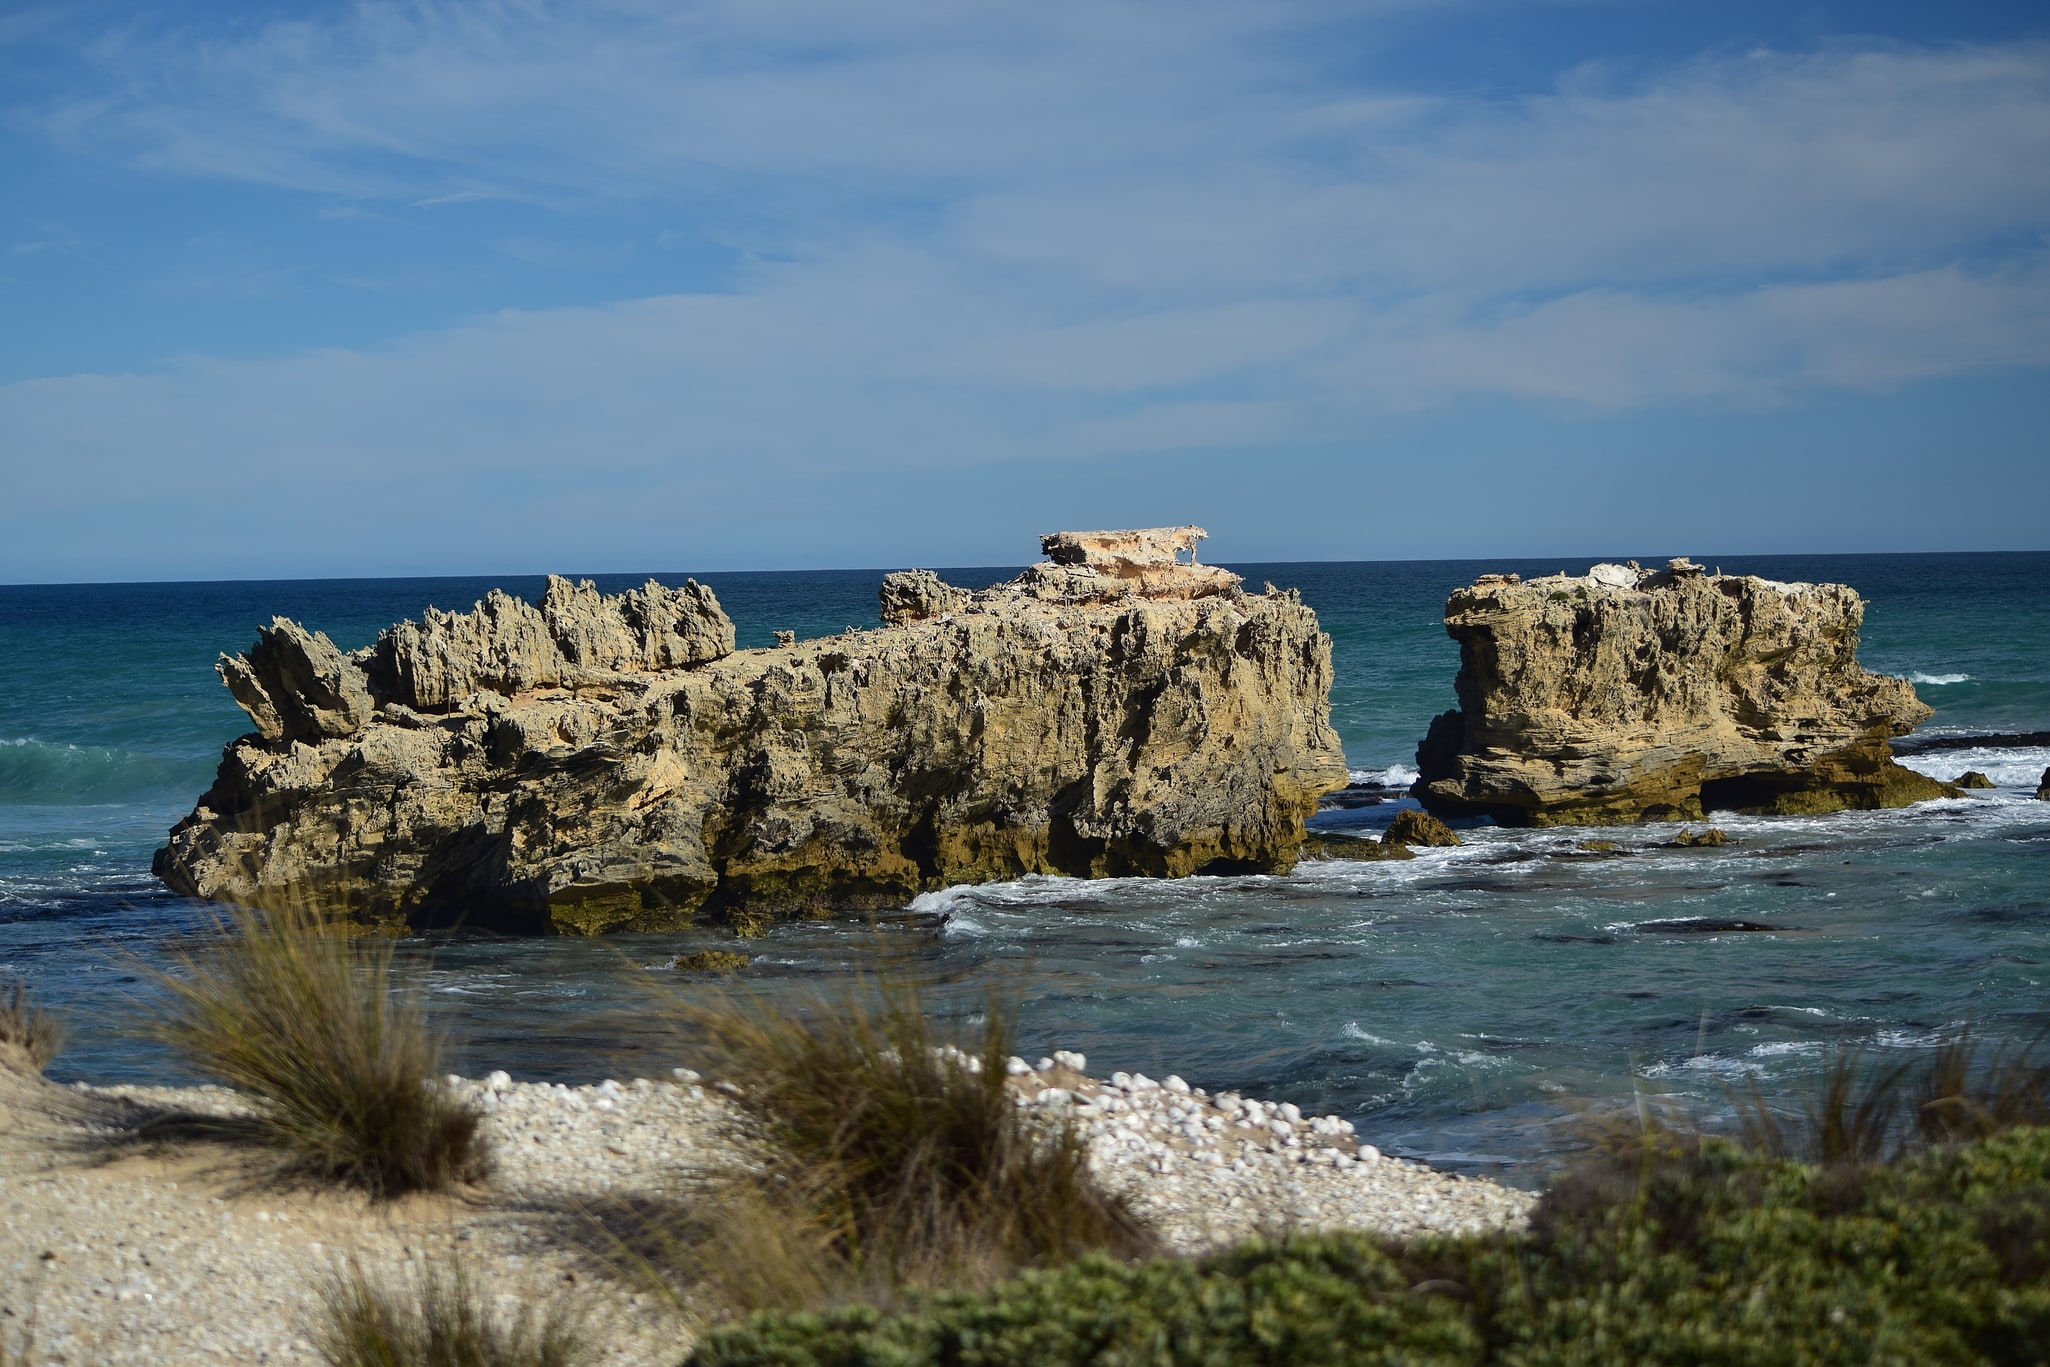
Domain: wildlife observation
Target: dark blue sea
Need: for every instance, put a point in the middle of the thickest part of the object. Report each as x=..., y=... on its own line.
x=1466, y=1008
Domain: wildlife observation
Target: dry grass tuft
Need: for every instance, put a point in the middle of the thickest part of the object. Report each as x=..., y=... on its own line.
x=29, y=1037
x=1863, y=1113
x=894, y=1156
x=438, y=1318
x=307, y=1023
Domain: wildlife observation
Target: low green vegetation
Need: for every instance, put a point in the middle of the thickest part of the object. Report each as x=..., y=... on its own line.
x=305, y=1020
x=1700, y=1254
x=1899, y=1220
x=29, y=1036
x=438, y=1318
x=893, y=1157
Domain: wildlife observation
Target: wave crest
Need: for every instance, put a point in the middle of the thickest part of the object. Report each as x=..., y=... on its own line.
x=41, y=773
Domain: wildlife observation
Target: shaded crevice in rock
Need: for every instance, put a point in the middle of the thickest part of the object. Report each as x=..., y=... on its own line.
x=544, y=767
x=1630, y=695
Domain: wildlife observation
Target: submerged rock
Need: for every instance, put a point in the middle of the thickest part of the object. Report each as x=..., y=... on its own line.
x=609, y=763
x=1319, y=847
x=1628, y=695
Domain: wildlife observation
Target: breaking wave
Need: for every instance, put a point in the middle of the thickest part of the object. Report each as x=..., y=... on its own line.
x=38, y=772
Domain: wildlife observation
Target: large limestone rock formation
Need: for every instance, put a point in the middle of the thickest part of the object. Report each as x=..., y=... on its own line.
x=603, y=763
x=1626, y=695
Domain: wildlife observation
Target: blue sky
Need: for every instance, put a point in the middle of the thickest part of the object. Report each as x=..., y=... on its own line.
x=356, y=289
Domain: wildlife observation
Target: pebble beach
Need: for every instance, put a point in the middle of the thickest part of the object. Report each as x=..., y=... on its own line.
x=115, y=1252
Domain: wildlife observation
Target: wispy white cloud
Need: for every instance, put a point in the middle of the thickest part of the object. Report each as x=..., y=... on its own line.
x=973, y=234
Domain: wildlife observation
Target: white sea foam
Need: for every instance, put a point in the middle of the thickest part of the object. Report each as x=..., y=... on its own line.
x=2018, y=766
x=1394, y=776
x=1352, y=1030
x=1917, y=676
x=1779, y=1048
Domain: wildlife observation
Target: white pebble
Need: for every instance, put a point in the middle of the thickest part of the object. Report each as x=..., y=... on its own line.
x=498, y=1081
x=1016, y=1067
x=1175, y=1084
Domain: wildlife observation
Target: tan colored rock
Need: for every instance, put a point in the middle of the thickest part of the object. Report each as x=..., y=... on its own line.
x=295, y=685
x=508, y=646
x=2043, y=788
x=1972, y=778
x=1095, y=566
x=1419, y=828
x=1082, y=731
x=918, y=596
x=1629, y=694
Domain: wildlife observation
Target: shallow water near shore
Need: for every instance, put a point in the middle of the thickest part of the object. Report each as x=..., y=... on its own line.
x=1462, y=1007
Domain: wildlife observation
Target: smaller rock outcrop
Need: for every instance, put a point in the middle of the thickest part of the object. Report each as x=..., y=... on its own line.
x=2043, y=788
x=296, y=686
x=1407, y=829
x=1972, y=778
x=1419, y=828
x=1630, y=694
x=918, y=596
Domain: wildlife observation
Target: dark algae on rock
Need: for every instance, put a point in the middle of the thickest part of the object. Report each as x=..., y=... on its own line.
x=1627, y=695
x=611, y=762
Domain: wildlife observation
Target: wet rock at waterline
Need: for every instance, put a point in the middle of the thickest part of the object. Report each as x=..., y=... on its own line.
x=1419, y=828
x=1972, y=778
x=1409, y=828
x=1627, y=695
x=2043, y=788
x=610, y=762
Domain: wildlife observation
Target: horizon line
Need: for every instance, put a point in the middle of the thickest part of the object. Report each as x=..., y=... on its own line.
x=872, y=569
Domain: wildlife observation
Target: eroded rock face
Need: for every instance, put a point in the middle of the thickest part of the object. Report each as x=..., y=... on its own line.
x=1626, y=695
x=606, y=763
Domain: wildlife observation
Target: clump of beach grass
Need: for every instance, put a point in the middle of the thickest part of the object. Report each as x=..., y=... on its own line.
x=310, y=1023
x=1863, y=1113
x=893, y=1156
x=438, y=1317
x=29, y=1036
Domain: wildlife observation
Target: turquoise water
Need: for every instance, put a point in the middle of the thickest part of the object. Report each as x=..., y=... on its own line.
x=1461, y=1008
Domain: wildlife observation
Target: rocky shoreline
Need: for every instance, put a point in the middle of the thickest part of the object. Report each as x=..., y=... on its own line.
x=131, y=1254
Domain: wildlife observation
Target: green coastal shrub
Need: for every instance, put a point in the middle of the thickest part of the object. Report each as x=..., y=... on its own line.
x=1312, y=1302
x=1692, y=1252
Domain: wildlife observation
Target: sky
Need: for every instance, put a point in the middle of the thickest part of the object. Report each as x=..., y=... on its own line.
x=357, y=289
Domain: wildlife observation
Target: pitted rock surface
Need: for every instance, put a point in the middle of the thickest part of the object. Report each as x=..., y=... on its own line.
x=1626, y=695
x=603, y=763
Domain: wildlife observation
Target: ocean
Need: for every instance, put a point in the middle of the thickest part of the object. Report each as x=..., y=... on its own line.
x=1467, y=1008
